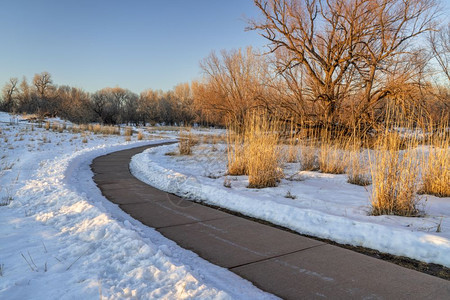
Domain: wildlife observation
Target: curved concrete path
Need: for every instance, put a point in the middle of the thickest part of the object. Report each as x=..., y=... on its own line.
x=285, y=264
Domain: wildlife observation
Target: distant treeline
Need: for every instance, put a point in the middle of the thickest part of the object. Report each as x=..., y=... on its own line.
x=108, y=106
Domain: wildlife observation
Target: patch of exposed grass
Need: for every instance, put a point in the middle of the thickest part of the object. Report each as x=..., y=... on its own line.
x=436, y=166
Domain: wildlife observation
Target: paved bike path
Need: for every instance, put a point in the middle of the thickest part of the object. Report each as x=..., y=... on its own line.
x=283, y=263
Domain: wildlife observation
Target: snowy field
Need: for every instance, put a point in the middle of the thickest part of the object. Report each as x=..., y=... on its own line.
x=61, y=239
x=311, y=203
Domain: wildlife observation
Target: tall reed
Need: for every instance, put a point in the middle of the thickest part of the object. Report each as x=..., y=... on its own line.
x=308, y=149
x=395, y=174
x=263, y=151
x=332, y=154
x=236, y=152
x=253, y=149
x=357, y=170
x=436, y=166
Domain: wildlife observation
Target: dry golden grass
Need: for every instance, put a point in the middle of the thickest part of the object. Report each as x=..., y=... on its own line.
x=111, y=130
x=186, y=141
x=332, y=156
x=237, y=160
x=292, y=144
x=263, y=151
x=128, y=131
x=395, y=175
x=357, y=170
x=96, y=128
x=254, y=150
x=308, y=156
x=308, y=140
x=140, y=136
x=292, y=153
x=436, y=166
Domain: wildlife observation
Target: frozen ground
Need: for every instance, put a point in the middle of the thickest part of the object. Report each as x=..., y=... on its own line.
x=61, y=239
x=325, y=205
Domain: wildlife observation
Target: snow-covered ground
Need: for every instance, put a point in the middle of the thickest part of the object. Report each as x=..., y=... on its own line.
x=61, y=239
x=325, y=205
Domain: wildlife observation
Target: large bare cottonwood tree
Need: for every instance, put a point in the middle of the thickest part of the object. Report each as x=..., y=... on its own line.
x=344, y=49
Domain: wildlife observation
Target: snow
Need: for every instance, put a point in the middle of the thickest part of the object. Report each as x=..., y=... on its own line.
x=60, y=238
x=325, y=205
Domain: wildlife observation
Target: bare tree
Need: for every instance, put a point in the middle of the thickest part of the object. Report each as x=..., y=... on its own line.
x=148, y=106
x=233, y=83
x=44, y=99
x=24, y=104
x=10, y=91
x=341, y=47
x=185, y=103
x=440, y=48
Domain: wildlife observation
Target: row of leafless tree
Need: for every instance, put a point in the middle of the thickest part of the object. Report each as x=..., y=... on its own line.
x=109, y=105
x=329, y=62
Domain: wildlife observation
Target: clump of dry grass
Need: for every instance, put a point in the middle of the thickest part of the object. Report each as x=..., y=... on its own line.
x=237, y=160
x=187, y=140
x=262, y=140
x=110, y=130
x=47, y=125
x=332, y=156
x=357, y=171
x=436, y=166
x=140, y=136
x=308, y=149
x=395, y=175
x=95, y=128
x=128, y=131
x=253, y=149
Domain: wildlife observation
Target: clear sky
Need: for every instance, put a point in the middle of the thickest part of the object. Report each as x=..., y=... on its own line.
x=137, y=45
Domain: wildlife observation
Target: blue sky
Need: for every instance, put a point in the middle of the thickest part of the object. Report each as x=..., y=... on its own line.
x=133, y=44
